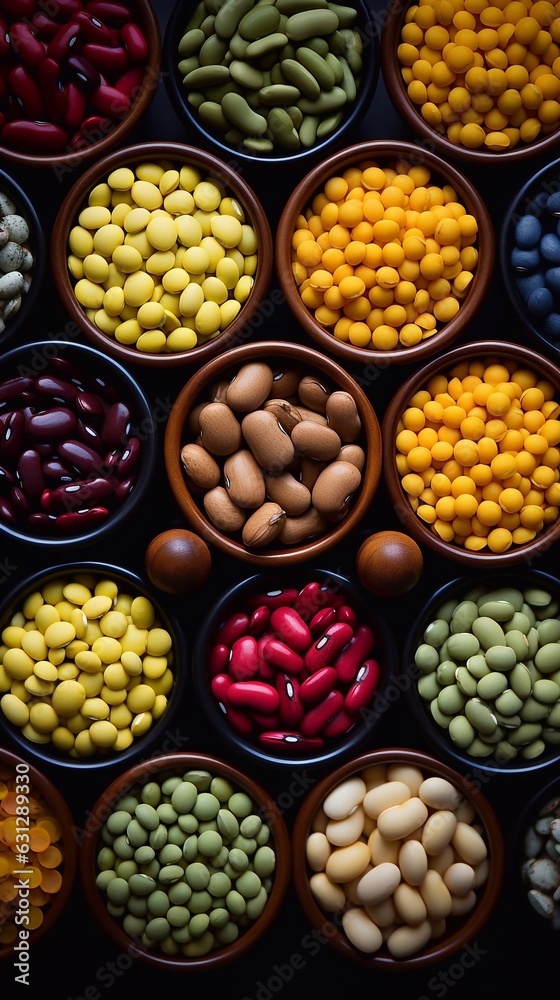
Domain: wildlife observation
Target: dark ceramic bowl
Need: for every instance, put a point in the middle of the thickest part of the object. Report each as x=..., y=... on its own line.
x=145, y=725
x=538, y=752
x=110, y=381
x=264, y=590
x=280, y=158
x=131, y=782
x=456, y=931
x=40, y=793
x=514, y=357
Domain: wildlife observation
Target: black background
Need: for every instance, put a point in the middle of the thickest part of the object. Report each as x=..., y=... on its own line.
x=76, y=959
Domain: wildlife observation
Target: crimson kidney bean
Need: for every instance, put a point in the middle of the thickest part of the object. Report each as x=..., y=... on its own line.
x=285, y=677
x=240, y=722
x=55, y=477
x=64, y=66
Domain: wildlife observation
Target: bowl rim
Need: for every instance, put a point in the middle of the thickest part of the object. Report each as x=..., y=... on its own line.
x=147, y=424
x=440, y=950
x=204, y=377
x=428, y=136
x=24, y=206
x=48, y=791
x=393, y=150
x=521, y=197
x=433, y=734
x=45, y=753
x=240, y=327
x=232, y=599
x=263, y=801
x=371, y=69
x=65, y=163
x=477, y=349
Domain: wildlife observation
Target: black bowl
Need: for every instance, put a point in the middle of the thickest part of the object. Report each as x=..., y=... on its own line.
x=368, y=28
x=37, y=246
x=36, y=358
x=154, y=740
x=334, y=749
x=529, y=200
x=438, y=738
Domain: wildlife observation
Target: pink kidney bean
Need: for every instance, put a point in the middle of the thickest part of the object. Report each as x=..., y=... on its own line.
x=54, y=476
x=260, y=663
x=71, y=71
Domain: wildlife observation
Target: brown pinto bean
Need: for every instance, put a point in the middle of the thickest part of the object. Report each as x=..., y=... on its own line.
x=244, y=479
x=315, y=441
x=267, y=439
x=220, y=430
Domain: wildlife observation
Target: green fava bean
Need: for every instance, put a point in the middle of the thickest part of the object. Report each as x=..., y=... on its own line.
x=499, y=611
x=170, y=854
x=134, y=926
x=426, y=658
x=166, y=813
x=123, y=847
x=219, y=884
x=240, y=805
x=235, y=903
x=106, y=858
x=151, y=793
x=549, y=630
x=219, y=917
x=450, y=700
x=248, y=884
x=210, y=843
x=229, y=15
x=138, y=906
x=178, y=916
x=463, y=616
x=526, y=733
x=103, y=878
x=520, y=681
x=438, y=716
x=125, y=869
x=479, y=748
x=461, y=731
x=250, y=826
x=428, y=687
x=517, y=641
x=465, y=681
x=187, y=823
x=179, y=893
x=445, y=673
x=537, y=597
x=508, y=703
x=184, y=797
x=462, y=645
x=480, y=716
x=190, y=848
x=533, y=710
x=141, y=885
x=264, y=861
x=221, y=788
x=547, y=658
x=501, y=658
x=227, y=823
x=546, y=691
x=436, y=632
x=488, y=632
x=144, y=854
x=533, y=750
x=157, y=929
x=170, y=873
x=256, y=905
x=238, y=860
x=118, y=821
x=182, y=936
x=147, y=816
x=197, y=875
x=228, y=933
x=158, y=838
x=509, y=595
x=520, y=622
x=200, y=901
x=491, y=686
x=158, y=903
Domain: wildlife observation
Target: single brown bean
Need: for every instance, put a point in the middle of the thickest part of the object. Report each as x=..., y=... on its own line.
x=310, y=470
x=222, y=511
x=342, y=415
x=307, y=414
x=286, y=414
x=315, y=441
x=250, y=387
x=307, y=525
x=244, y=479
x=284, y=383
x=335, y=484
x=267, y=439
x=220, y=430
x=286, y=490
x=263, y=526
x=200, y=467
x=352, y=453
x=313, y=393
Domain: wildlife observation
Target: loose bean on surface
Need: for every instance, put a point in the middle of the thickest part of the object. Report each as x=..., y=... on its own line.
x=391, y=892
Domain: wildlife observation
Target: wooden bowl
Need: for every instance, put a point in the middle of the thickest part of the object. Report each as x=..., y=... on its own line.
x=99, y=141
x=384, y=152
x=500, y=352
x=280, y=356
x=430, y=138
x=154, y=769
x=459, y=930
x=239, y=329
x=31, y=782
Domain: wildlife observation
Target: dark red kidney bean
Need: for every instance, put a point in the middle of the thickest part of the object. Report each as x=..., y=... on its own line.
x=290, y=742
x=350, y=659
x=54, y=469
x=134, y=41
x=111, y=460
x=13, y=387
x=244, y=659
x=12, y=432
x=66, y=9
x=66, y=368
x=106, y=59
x=79, y=455
x=233, y=628
x=311, y=599
x=84, y=493
x=255, y=695
x=220, y=684
x=86, y=75
x=340, y=724
x=26, y=92
x=317, y=686
x=27, y=47
x=124, y=489
x=237, y=719
x=54, y=94
x=218, y=659
x=324, y=651
x=44, y=25
x=91, y=130
x=130, y=80
x=57, y=388
x=7, y=512
x=64, y=42
x=20, y=503
x=129, y=458
x=266, y=670
x=273, y=599
x=279, y=655
x=93, y=29
x=315, y=720
x=115, y=425
x=34, y=137
x=54, y=423
x=290, y=708
x=89, y=435
x=348, y=615
x=44, y=448
x=41, y=522
x=363, y=687
x=110, y=102
x=107, y=11
x=76, y=521
x=291, y=628
x=259, y=621
x=322, y=620
x=76, y=104
x=89, y=405
x=30, y=472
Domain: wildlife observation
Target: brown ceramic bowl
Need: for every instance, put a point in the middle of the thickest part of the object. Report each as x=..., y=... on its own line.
x=516, y=357
x=131, y=783
x=385, y=153
x=544, y=144
x=102, y=135
x=175, y=155
x=33, y=786
x=281, y=357
x=457, y=930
